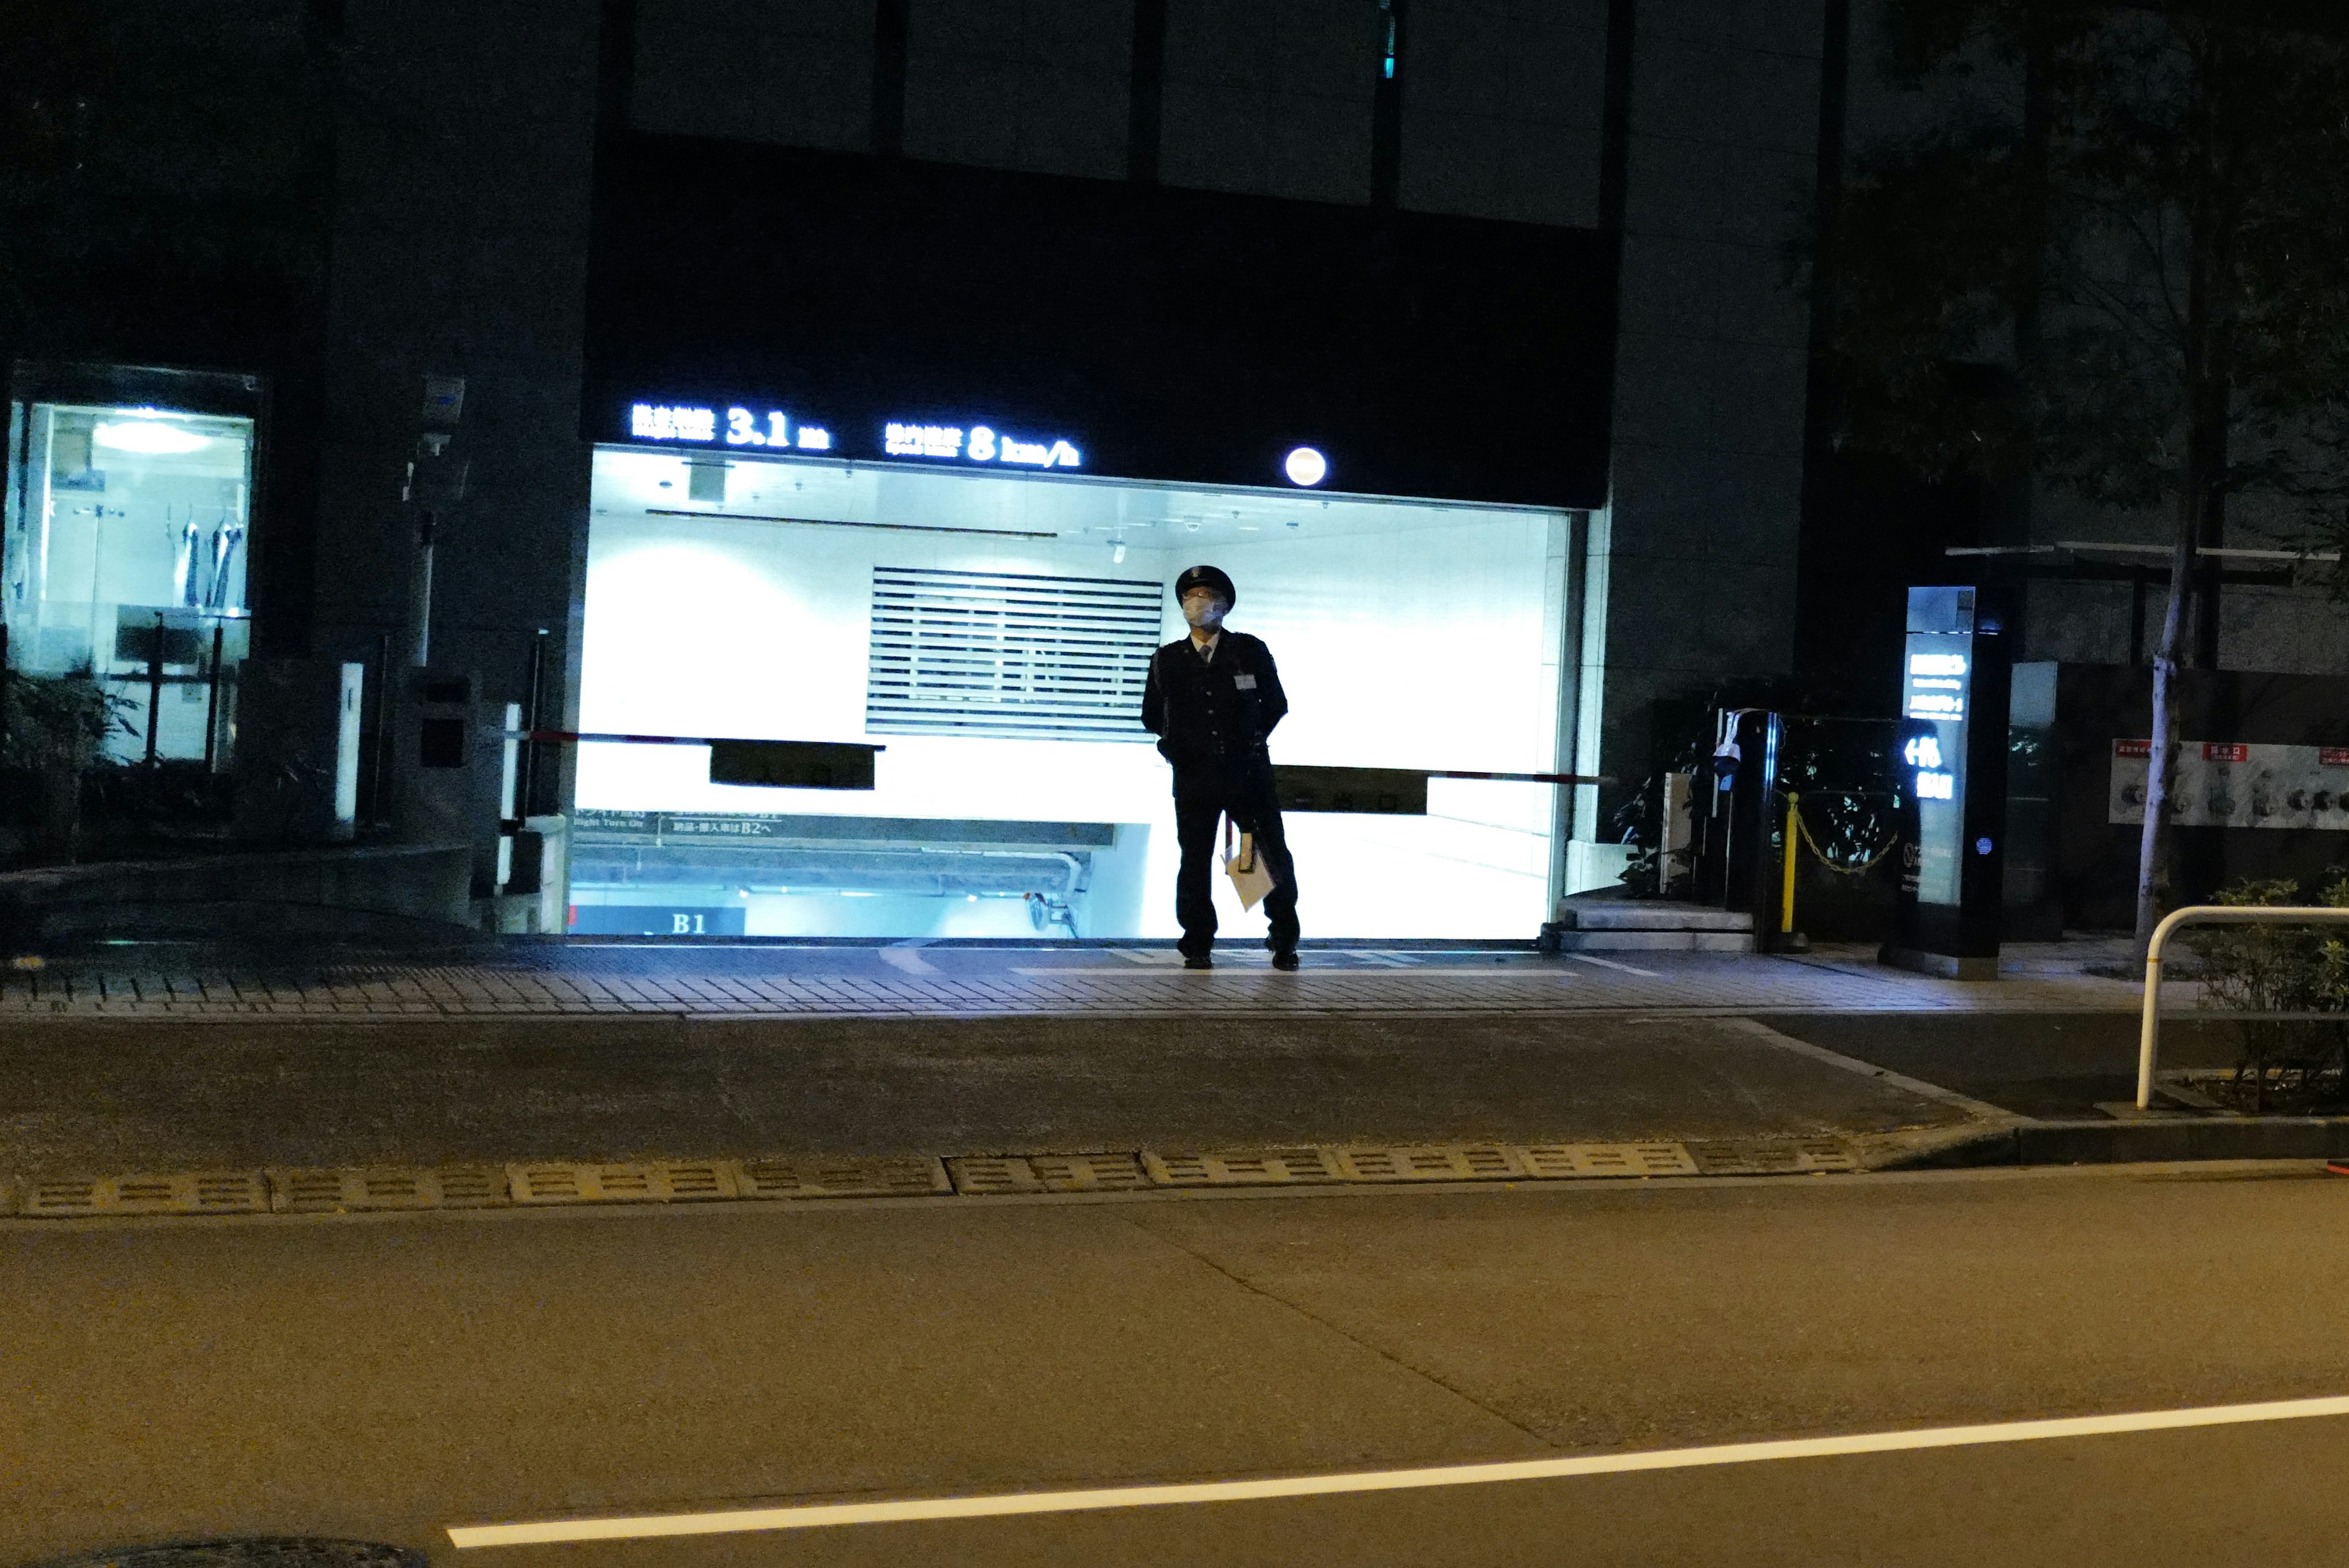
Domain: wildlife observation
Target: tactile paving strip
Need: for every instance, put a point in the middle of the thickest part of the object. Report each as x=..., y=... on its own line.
x=652, y=1181
x=387, y=1188
x=788, y=1177
x=978, y=1174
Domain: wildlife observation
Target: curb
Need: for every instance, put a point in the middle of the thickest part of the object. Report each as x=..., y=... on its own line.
x=2105, y=1142
x=672, y=1182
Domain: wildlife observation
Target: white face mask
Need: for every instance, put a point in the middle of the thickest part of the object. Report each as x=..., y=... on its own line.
x=1204, y=611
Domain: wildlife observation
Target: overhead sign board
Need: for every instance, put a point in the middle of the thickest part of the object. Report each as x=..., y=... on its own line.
x=762, y=427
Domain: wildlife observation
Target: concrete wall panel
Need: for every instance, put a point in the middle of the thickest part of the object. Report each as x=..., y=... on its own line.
x=1501, y=108
x=1712, y=360
x=1272, y=101
x=798, y=72
x=1039, y=85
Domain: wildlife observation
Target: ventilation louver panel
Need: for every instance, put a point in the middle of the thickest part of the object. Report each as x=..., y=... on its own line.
x=1010, y=654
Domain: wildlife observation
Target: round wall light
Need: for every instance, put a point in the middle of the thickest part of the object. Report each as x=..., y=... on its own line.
x=1305, y=465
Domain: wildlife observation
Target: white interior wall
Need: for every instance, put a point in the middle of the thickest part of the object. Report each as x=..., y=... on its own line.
x=1408, y=635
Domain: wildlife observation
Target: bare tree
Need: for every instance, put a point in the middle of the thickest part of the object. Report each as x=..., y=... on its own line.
x=2117, y=269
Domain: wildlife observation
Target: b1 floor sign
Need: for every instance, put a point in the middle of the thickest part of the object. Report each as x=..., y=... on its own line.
x=2232, y=784
x=1955, y=679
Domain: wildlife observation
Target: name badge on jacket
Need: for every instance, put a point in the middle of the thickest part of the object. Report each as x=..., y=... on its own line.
x=1243, y=682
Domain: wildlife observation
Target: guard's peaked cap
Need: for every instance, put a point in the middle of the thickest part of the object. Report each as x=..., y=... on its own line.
x=1206, y=577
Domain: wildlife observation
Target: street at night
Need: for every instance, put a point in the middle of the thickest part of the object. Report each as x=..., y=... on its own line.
x=1174, y=781
x=389, y=1377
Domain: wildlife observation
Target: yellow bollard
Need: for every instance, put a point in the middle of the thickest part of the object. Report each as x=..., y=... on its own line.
x=1786, y=904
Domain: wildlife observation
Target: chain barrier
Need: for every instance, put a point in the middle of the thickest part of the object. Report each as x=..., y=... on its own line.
x=1860, y=868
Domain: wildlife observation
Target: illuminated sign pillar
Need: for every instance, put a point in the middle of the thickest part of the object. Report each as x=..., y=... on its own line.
x=1951, y=769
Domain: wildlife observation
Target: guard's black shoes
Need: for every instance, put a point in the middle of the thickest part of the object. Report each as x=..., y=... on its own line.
x=1202, y=961
x=1285, y=960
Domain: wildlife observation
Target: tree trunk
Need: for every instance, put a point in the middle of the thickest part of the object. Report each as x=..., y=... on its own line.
x=2207, y=366
x=2161, y=767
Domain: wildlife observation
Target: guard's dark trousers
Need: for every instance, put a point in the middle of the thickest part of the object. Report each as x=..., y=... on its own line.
x=1203, y=794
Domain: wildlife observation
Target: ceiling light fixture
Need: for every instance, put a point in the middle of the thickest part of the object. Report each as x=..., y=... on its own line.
x=151, y=437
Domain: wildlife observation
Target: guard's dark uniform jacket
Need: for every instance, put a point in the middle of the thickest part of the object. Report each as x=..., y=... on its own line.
x=1207, y=715
x=1212, y=717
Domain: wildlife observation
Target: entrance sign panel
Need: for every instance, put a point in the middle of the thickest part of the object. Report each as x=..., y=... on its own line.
x=1953, y=699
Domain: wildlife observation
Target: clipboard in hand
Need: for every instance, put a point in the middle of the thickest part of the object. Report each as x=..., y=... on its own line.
x=1250, y=878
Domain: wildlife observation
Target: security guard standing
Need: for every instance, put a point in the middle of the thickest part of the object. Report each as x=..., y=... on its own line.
x=1212, y=699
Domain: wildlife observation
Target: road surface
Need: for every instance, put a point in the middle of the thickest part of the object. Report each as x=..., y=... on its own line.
x=391, y=1378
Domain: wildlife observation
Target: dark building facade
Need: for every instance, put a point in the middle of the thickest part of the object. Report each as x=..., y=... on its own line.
x=1513, y=274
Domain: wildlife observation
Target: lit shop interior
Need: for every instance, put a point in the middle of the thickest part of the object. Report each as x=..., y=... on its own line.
x=991, y=631
x=125, y=557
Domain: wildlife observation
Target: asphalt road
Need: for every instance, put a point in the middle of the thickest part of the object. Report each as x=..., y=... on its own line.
x=392, y=1377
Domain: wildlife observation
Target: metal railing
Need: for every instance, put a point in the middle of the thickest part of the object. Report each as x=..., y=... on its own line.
x=2149, y=1032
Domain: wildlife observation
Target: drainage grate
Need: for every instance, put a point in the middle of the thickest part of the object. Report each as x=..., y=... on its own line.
x=1554, y=1162
x=1048, y=1173
x=657, y=1181
x=201, y=1192
x=783, y=1177
x=550, y=1182
x=358, y=1190
x=1442, y=1162
x=1788, y=1156
x=1269, y=1168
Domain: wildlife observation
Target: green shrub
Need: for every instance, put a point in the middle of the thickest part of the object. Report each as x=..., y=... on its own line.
x=2280, y=969
x=56, y=722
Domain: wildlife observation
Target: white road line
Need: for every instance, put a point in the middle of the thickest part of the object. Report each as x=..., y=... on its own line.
x=903, y=956
x=997, y=1505
x=1610, y=963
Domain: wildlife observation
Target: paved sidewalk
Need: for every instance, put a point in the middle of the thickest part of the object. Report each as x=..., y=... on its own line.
x=908, y=980
x=158, y=1059
x=95, y=1097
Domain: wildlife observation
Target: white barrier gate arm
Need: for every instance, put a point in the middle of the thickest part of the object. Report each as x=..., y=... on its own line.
x=2149, y=1032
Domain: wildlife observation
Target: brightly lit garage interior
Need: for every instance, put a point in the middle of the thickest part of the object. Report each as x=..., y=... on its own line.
x=991, y=632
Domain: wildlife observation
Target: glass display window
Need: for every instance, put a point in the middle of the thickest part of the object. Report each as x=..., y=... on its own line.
x=125, y=556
